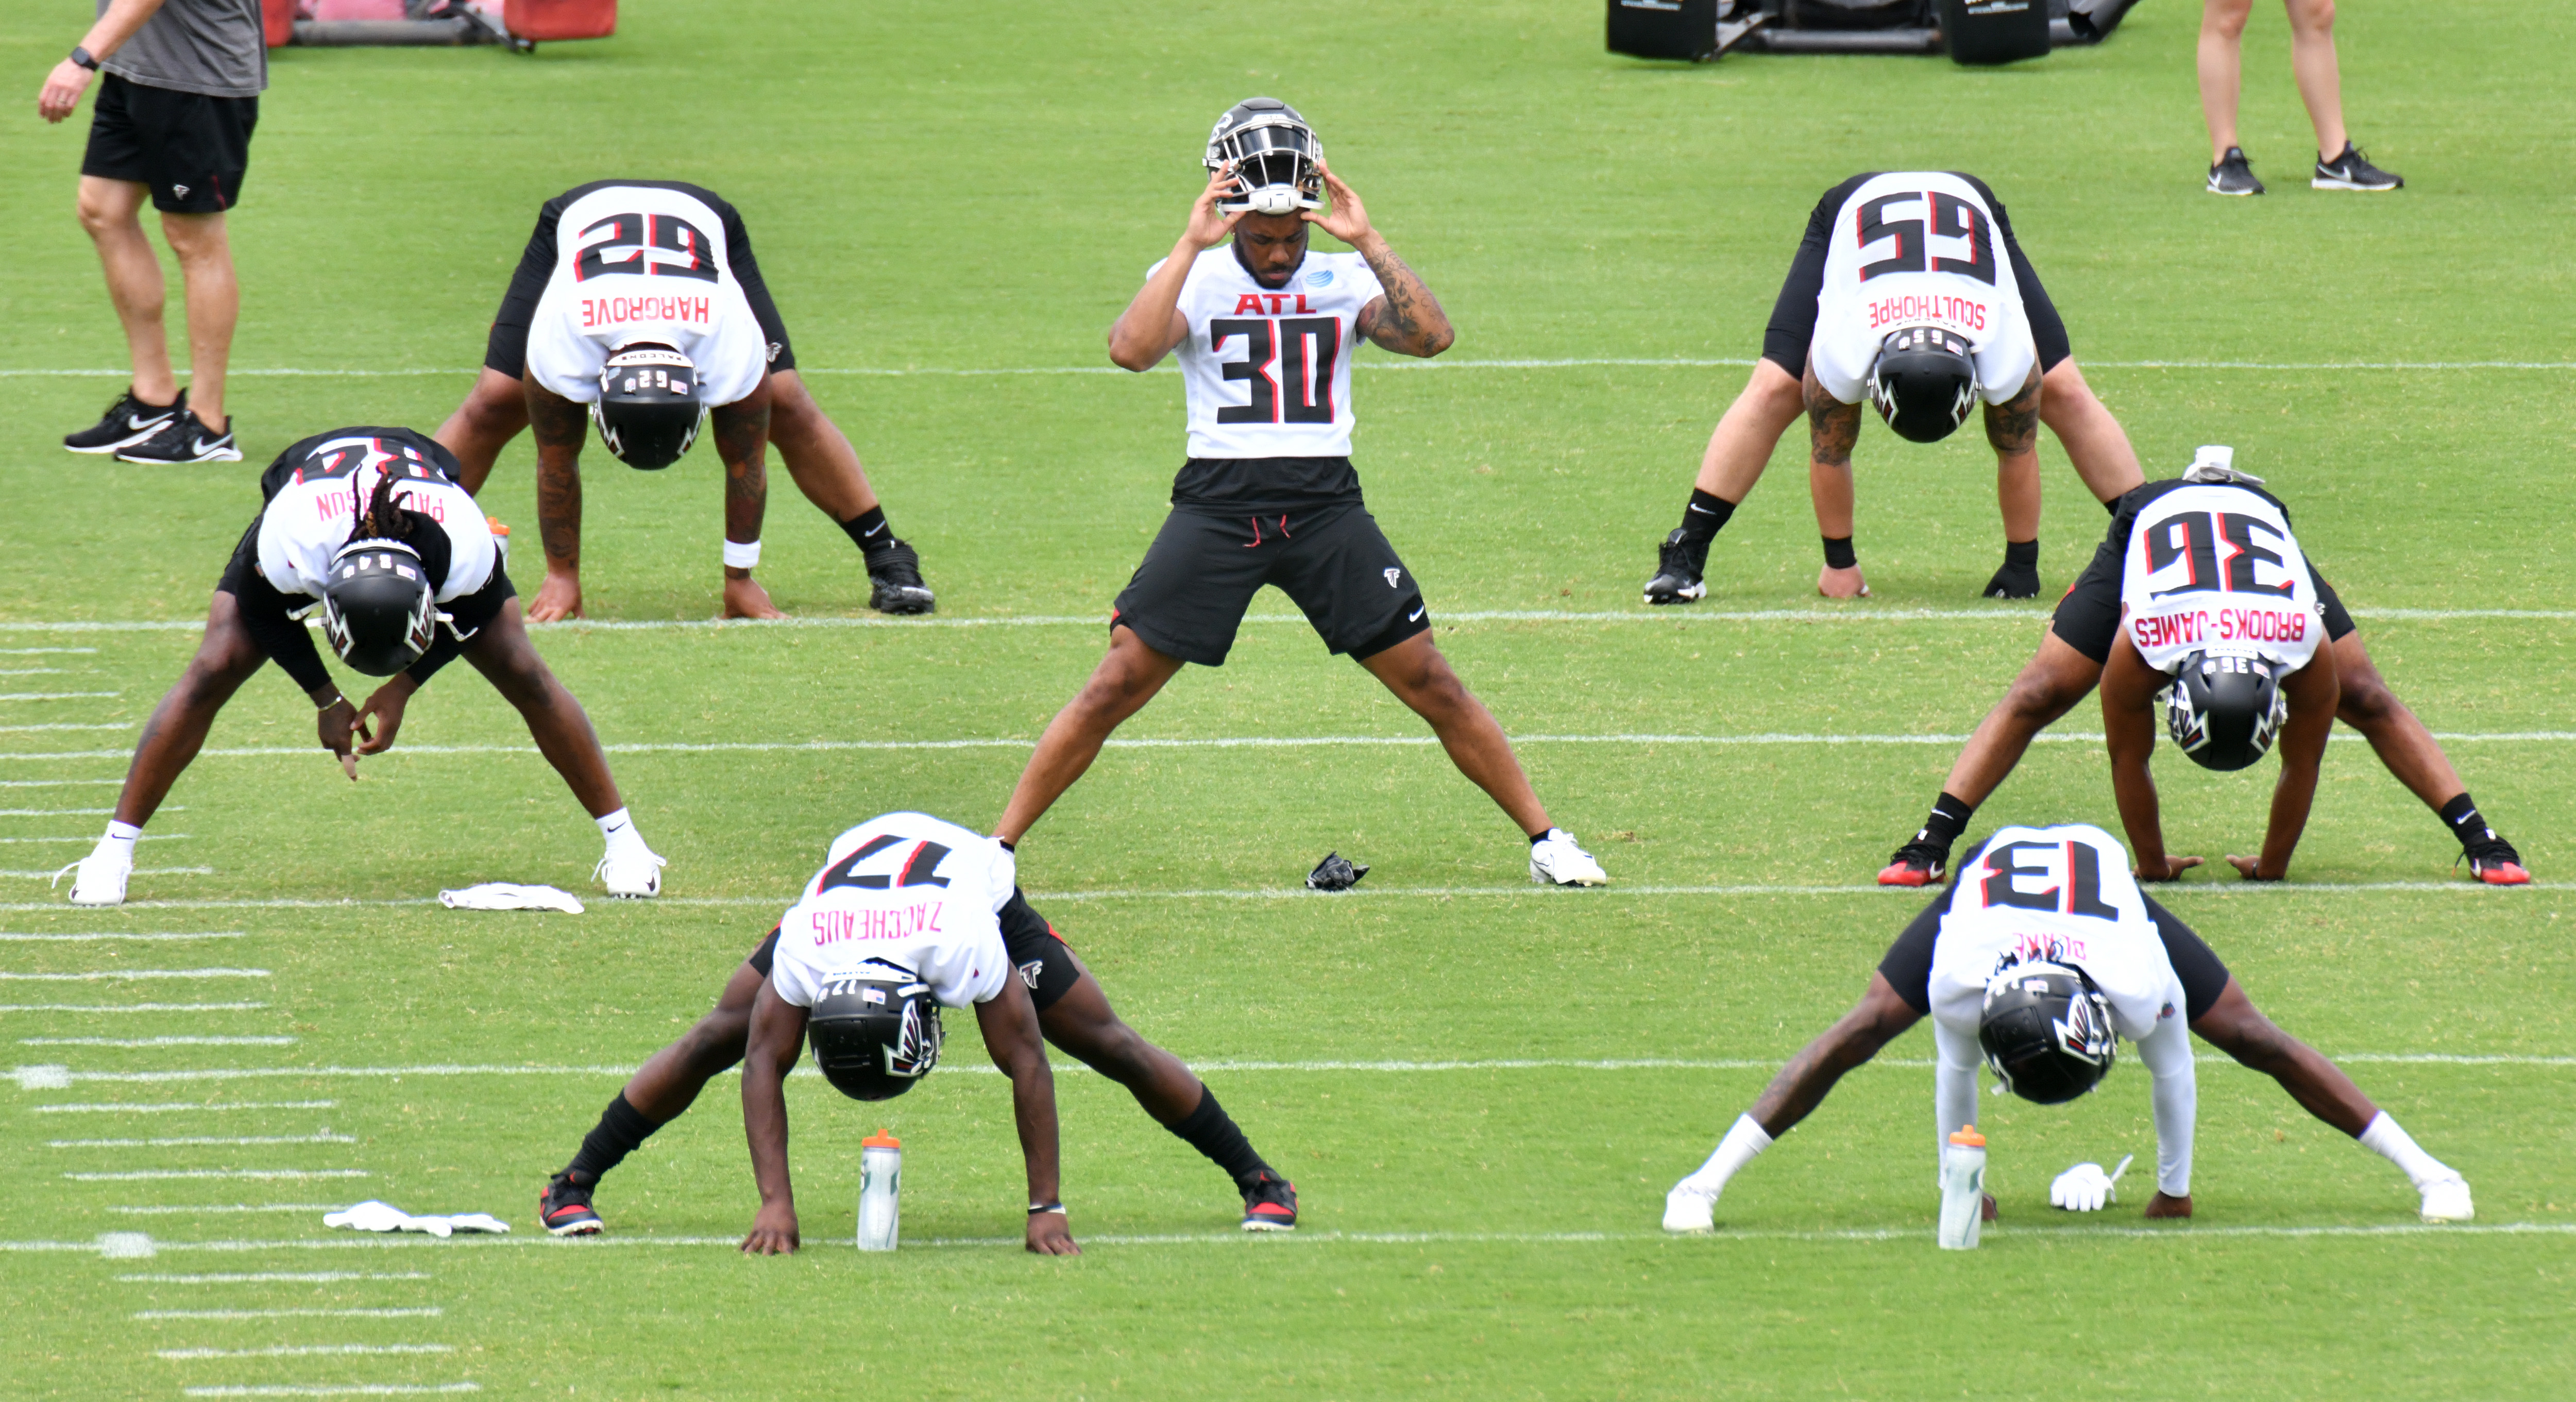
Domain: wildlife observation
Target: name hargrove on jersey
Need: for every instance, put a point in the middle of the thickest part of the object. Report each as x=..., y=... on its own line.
x=2214, y=568
x=1919, y=248
x=1268, y=371
x=907, y=888
x=311, y=516
x=2057, y=895
x=638, y=263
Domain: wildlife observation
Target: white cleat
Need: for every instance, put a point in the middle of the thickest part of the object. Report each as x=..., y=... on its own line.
x=2447, y=1200
x=635, y=876
x=1690, y=1208
x=99, y=878
x=1556, y=861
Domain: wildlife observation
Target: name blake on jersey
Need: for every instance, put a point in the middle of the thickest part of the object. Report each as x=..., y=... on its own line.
x=901, y=922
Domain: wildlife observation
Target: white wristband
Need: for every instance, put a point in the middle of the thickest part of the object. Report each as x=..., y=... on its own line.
x=741, y=557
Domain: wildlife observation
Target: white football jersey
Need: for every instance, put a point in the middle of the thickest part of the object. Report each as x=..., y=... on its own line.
x=1268, y=372
x=907, y=888
x=637, y=263
x=2213, y=567
x=310, y=518
x=2061, y=894
x=1919, y=248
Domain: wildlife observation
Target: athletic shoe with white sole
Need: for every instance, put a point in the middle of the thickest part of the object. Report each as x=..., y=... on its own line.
x=100, y=877
x=1690, y=1207
x=1915, y=864
x=2495, y=862
x=1270, y=1204
x=894, y=579
x=630, y=875
x=564, y=1207
x=185, y=439
x=1555, y=860
x=2234, y=175
x=2447, y=1200
x=129, y=420
x=2353, y=171
x=1677, y=574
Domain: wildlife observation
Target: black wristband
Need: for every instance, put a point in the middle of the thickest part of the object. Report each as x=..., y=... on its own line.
x=82, y=58
x=1037, y=1208
x=1838, y=553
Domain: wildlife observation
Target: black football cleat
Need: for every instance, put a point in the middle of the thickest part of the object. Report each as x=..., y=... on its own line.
x=184, y=439
x=2496, y=863
x=1677, y=574
x=1916, y=863
x=2014, y=582
x=1270, y=1204
x=564, y=1207
x=2234, y=175
x=2353, y=171
x=895, y=577
x=128, y=421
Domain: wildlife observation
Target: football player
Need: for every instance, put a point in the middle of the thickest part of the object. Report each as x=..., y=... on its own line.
x=2039, y=961
x=641, y=300
x=1908, y=289
x=909, y=914
x=1266, y=331
x=369, y=526
x=2202, y=566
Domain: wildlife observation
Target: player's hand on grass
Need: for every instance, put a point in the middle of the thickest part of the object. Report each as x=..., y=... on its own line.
x=1348, y=219
x=62, y=91
x=333, y=725
x=1841, y=584
x=2172, y=870
x=1209, y=226
x=384, y=710
x=558, y=598
x=2162, y=1205
x=1050, y=1236
x=744, y=598
x=773, y=1233
x=2085, y=1187
x=2251, y=868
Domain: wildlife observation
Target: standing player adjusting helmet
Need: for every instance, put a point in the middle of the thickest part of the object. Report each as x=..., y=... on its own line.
x=1924, y=383
x=1274, y=155
x=2225, y=709
x=648, y=411
x=2046, y=1032
x=875, y=1033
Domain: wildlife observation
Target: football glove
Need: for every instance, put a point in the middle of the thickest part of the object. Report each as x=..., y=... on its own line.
x=2085, y=1187
x=1335, y=873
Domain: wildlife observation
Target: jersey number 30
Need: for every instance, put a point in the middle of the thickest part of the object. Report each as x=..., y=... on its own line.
x=1300, y=389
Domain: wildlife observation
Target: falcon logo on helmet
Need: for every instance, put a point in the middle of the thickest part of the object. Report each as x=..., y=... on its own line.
x=2046, y=1032
x=875, y=1032
x=648, y=411
x=1274, y=156
x=378, y=607
x=1923, y=383
x=2225, y=709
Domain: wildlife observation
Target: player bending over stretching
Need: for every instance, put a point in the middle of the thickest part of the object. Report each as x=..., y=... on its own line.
x=1910, y=289
x=369, y=525
x=865, y=961
x=2041, y=958
x=1266, y=332
x=2199, y=586
x=641, y=299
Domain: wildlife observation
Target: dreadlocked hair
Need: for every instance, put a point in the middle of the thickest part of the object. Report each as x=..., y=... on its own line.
x=385, y=518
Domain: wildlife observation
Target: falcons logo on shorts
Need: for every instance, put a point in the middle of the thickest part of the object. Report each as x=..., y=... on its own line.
x=1392, y=575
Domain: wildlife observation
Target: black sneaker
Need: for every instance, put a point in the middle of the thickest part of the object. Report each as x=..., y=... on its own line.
x=2014, y=582
x=1270, y=1204
x=2495, y=862
x=128, y=420
x=2234, y=175
x=2353, y=171
x=1677, y=574
x=1917, y=863
x=184, y=439
x=564, y=1207
x=895, y=573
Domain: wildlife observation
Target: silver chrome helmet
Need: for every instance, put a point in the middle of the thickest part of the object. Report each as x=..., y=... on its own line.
x=1273, y=152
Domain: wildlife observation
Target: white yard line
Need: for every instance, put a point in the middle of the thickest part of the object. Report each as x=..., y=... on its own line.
x=333, y=1389
x=299, y=1350
x=55, y=695
x=257, y=1277
x=130, y=1007
x=156, y=1041
x=90, y=839
x=185, y=1141
x=164, y=1107
x=120, y=975
x=216, y=1208
x=140, y=935
x=58, y=871
x=32, y=651
x=74, y=812
x=155, y=1174
x=427, y=1312
x=73, y=725
x=55, y=783
x=31, y=671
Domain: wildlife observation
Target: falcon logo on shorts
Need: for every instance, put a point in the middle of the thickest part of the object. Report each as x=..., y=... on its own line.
x=180, y=190
x=1030, y=971
x=1392, y=575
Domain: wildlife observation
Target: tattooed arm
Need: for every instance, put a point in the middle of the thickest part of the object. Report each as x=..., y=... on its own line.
x=2013, y=427
x=742, y=440
x=1407, y=319
x=558, y=425
x=1833, y=427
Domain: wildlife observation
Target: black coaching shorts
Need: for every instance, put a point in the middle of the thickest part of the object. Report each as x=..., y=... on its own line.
x=1202, y=570
x=506, y=349
x=1044, y=960
x=1908, y=965
x=2088, y=618
x=1793, y=316
x=193, y=150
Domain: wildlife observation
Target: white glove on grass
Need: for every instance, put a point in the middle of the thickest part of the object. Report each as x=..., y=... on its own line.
x=2085, y=1187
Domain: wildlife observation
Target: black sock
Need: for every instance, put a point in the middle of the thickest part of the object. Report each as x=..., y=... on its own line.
x=2024, y=553
x=869, y=532
x=1211, y=1131
x=621, y=1127
x=1948, y=819
x=1838, y=553
x=2462, y=814
x=1706, y=516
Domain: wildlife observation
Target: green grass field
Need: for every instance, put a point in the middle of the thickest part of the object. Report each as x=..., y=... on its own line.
x=938, y=189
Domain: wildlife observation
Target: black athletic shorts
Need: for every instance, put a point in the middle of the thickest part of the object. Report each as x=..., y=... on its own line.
x=506, y=349
x=1908, y=963
x=1044, y=960
x=193, y=150
x=1793, y=316
x=2088, y=618
x=1202, y=570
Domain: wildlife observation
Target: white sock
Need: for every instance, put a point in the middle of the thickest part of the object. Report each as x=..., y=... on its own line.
x=2383, y=1137
x=120, y=839
x=619, y=829
x=1743, y=1140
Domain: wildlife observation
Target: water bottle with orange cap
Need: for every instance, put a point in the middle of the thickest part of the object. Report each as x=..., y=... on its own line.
x=1963, y=1189
x=880, y=1180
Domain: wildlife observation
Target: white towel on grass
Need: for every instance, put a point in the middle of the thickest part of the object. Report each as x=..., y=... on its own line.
x=505, y=895
x=373, y=1216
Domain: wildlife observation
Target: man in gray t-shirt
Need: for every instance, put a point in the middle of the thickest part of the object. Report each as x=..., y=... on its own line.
x=173, y=120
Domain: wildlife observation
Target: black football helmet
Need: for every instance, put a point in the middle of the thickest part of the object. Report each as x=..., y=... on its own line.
x=1275, y=155
x=875, y=1032
x=648, y=411
x=2046, y=1032
x=1924, y=382
x=379, y=608
x=2225, y=709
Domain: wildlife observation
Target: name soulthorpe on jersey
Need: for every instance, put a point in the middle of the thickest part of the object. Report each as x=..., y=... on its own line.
x=1268, y=371
x=2215, y=568
x=636, y=263
x=1919, y=248
x=2056, y=895
x=909, y=889
x=311, y=516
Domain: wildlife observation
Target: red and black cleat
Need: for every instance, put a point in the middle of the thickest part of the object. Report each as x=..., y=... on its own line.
x=564, y=1207
x=1916, y=864
x=1270, y=1204
x=2497, y=864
